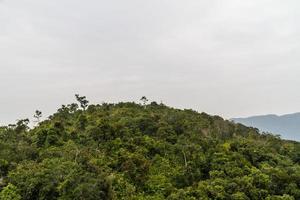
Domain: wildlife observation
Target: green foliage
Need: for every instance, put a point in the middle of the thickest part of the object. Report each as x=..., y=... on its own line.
x=10, y=192
x=144, y=151
x=82, y=101
x=37, y=116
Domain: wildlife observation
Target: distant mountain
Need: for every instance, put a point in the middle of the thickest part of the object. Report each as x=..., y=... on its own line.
x=287, y=126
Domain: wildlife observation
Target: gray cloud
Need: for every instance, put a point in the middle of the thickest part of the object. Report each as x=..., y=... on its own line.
x=233, y=58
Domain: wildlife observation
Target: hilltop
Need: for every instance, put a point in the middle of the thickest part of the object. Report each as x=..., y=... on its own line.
x=143, y=151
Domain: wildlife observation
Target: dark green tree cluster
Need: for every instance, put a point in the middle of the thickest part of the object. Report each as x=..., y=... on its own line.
x=144, y=151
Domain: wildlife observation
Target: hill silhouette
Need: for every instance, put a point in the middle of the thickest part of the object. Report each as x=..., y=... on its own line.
x=288, y=126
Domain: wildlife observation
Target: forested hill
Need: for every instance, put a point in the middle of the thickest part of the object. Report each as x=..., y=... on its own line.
x=143, y=151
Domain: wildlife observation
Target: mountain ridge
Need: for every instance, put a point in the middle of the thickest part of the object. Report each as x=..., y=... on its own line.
x=287, y=125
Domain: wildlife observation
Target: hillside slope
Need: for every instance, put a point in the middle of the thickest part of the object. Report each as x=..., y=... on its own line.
x=134, y=151
x=288, y=126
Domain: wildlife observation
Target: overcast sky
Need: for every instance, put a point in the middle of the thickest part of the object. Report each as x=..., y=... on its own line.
x=228, y=57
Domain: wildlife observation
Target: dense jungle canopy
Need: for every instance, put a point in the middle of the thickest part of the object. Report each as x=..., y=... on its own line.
x=141, y=151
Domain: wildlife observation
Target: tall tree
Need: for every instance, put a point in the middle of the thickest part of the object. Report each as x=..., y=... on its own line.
x=82, y=101
x=144, y=100
x=37, y=115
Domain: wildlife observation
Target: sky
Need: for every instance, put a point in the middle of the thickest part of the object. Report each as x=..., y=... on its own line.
x=231, y=58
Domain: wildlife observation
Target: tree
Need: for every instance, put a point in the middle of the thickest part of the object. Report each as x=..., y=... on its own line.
x=37, y=115
x=82, y=101
x=144, y=100
x=22, y=125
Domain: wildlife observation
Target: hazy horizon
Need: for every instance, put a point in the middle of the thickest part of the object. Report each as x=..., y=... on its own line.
x=228, y=58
